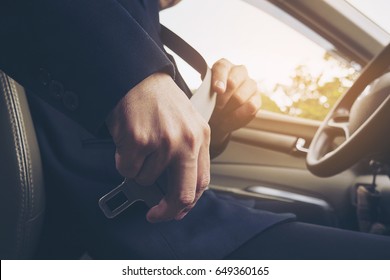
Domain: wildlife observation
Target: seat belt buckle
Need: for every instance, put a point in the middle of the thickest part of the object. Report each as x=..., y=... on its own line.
x=126, y=194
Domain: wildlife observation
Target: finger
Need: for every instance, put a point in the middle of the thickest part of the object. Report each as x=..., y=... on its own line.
x=237, y=76
x=128, y=165
x=241, y=95
x=154, y=164
x=242, y=115
x=180, y=194
x=203, y=171
x=152, y=167
x=130, y=155
x=185, y=192
x=220, y=70
x=203, y=179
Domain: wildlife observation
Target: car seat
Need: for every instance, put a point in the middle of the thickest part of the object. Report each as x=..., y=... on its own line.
x=21, y=180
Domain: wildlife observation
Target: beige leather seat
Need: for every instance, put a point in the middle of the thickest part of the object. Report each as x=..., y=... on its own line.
x=21, y=181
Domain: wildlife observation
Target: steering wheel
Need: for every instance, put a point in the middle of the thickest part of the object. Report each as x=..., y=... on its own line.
x=361, y=117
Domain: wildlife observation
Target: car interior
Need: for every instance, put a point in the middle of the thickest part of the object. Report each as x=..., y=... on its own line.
x=333, y=171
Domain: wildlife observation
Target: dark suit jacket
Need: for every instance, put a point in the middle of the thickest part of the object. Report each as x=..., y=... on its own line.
x=81, y=56
x=77, y=58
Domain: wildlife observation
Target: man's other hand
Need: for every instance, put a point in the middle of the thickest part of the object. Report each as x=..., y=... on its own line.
x=238, y=100
x=156, y=129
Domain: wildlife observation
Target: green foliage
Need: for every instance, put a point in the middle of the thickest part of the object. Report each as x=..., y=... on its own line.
x=310, y=94
x=269, y=105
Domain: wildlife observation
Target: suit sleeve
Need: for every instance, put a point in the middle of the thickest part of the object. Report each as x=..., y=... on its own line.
x=80, y=56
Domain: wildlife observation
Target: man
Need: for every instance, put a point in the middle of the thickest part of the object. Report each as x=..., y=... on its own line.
x=98, y=66
x=102, y=64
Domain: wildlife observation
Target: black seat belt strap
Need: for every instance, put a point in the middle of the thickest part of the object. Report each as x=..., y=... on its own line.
x=184, y=50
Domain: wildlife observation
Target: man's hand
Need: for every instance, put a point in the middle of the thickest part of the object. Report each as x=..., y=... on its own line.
x=156, y=129
x=238, y=100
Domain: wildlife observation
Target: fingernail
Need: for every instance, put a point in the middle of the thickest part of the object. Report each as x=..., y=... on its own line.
x=220, y=85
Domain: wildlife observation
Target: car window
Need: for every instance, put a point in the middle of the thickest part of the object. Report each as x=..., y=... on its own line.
x=295, y=75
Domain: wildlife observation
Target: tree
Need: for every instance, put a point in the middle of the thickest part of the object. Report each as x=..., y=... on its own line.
x=312, y=93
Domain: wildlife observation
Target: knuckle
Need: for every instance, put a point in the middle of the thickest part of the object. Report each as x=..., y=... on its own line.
x=143, y=142
x=190, y=138
x=206, y=131
x=238, y=75
x=222, y=63
x=140, y=140
x=232, y=82
x=240, y=100
x=242, y=69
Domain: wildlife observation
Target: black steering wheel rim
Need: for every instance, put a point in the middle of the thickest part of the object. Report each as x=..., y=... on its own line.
x=324, y=161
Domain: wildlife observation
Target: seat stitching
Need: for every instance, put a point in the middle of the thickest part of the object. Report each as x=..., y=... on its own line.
x=27, y=154
x=22, y=179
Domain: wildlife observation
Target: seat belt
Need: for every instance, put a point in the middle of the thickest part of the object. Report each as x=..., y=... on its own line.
x=129, y=192
x=203, y=100
x=184, y=50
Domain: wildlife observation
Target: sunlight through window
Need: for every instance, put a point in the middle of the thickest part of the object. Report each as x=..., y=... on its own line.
x=295, y=75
